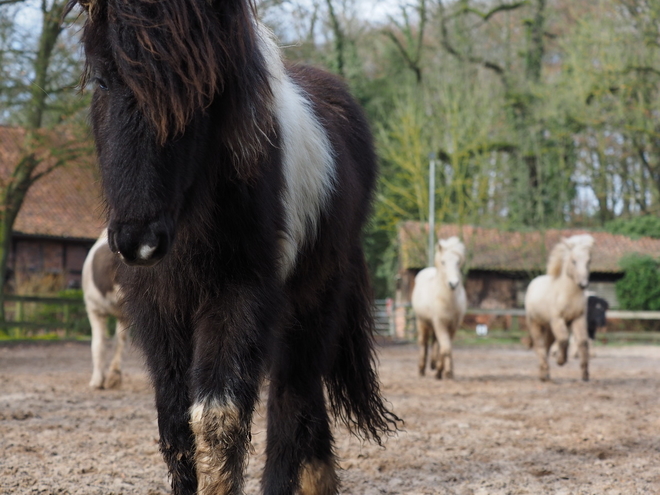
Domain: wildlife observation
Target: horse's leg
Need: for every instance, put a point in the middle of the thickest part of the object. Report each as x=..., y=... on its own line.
x=445, y=368
x=560, y=332
x=435, y=349
x=299, y=451
x=230, y=343
x=580, y=334
x=542, y=340
x=422, y=340
x=168, y=352
x=113, y=380
x=99, y=325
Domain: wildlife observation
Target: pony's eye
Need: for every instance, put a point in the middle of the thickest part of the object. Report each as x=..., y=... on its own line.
x=101, y=83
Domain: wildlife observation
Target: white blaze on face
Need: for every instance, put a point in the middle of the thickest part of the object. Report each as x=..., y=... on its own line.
x=307, y=156
x=449, y=257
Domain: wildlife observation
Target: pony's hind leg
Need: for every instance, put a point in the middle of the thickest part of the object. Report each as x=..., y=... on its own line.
x=113, y=379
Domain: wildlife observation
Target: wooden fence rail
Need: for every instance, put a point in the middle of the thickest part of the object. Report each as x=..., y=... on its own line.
x=55, y=313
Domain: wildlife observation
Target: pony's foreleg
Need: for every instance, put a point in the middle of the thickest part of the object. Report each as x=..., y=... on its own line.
x=542, y=341
x=99, y=325
x=230, y=345
x=168, y=352
x=299, y=451
x=580, y=334
x=113, y=380
x=445, y=362
x=560, y=332
x=422, y=340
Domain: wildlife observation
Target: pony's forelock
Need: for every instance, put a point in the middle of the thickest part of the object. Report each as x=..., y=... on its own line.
x=453, y=244
x=560, y=252
x=175, y=56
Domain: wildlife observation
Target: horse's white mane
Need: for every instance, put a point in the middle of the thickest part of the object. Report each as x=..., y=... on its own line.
x=561, y=250
x=452, y=244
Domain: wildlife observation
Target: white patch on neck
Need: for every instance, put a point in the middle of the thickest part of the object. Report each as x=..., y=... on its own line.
x=307, y=156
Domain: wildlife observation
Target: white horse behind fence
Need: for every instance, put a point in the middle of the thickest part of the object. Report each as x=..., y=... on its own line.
x=555, y=303
x=101, y=301
x=440, y=302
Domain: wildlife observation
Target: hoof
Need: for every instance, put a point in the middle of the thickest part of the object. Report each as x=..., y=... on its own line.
x=585, y=376
x=96, y=382
x=422, y=371
x=438, y=375
x=448, y=375
x=113, y=380
x=432, y=365
x=544, y=377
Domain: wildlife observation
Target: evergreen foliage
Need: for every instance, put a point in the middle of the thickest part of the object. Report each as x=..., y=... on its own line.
x=639, y=289
x=635, y=227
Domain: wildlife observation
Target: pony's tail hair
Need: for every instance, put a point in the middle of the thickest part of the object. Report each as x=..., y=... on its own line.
x=352, y=382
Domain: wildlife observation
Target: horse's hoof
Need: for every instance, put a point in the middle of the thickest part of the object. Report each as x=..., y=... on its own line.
x=585, y=377
x=561, y=360
x=449, y=375
x=113, y=380
x=438, y=375
x=422, y=371
x=432, y=365
x=96, y=382
x=545, y=377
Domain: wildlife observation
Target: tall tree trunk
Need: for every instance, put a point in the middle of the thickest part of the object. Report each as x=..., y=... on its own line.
x=11, y=199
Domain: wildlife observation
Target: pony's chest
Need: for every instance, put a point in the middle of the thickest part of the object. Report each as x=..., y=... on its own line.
x=573, y=308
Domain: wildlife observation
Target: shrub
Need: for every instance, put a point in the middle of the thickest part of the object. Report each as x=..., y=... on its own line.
x=639, y=289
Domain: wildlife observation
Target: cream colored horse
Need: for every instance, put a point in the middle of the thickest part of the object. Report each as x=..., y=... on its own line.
x=555, y=303
x=439, y=302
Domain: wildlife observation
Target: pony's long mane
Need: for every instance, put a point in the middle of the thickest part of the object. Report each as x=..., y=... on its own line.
x=556, y=259
x=560, y=252
x=177, y=56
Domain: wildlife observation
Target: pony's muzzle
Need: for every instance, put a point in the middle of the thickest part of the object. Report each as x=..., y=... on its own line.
x=453, y=285
x=140, y=246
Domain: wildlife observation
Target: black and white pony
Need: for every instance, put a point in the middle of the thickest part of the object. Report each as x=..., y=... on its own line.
x=236, y=189
x=101, y=293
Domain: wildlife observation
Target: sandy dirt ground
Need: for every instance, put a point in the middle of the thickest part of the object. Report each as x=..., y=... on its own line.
x=495, y=429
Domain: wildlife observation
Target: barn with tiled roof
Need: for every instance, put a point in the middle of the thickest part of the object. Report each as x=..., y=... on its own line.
x=60, y=218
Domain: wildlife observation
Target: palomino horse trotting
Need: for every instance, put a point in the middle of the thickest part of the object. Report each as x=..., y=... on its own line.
x=439, y=302
x=555, y=303
x=101, y=292
x=236, y=189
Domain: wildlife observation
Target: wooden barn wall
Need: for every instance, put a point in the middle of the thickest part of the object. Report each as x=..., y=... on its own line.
x=52, y=264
